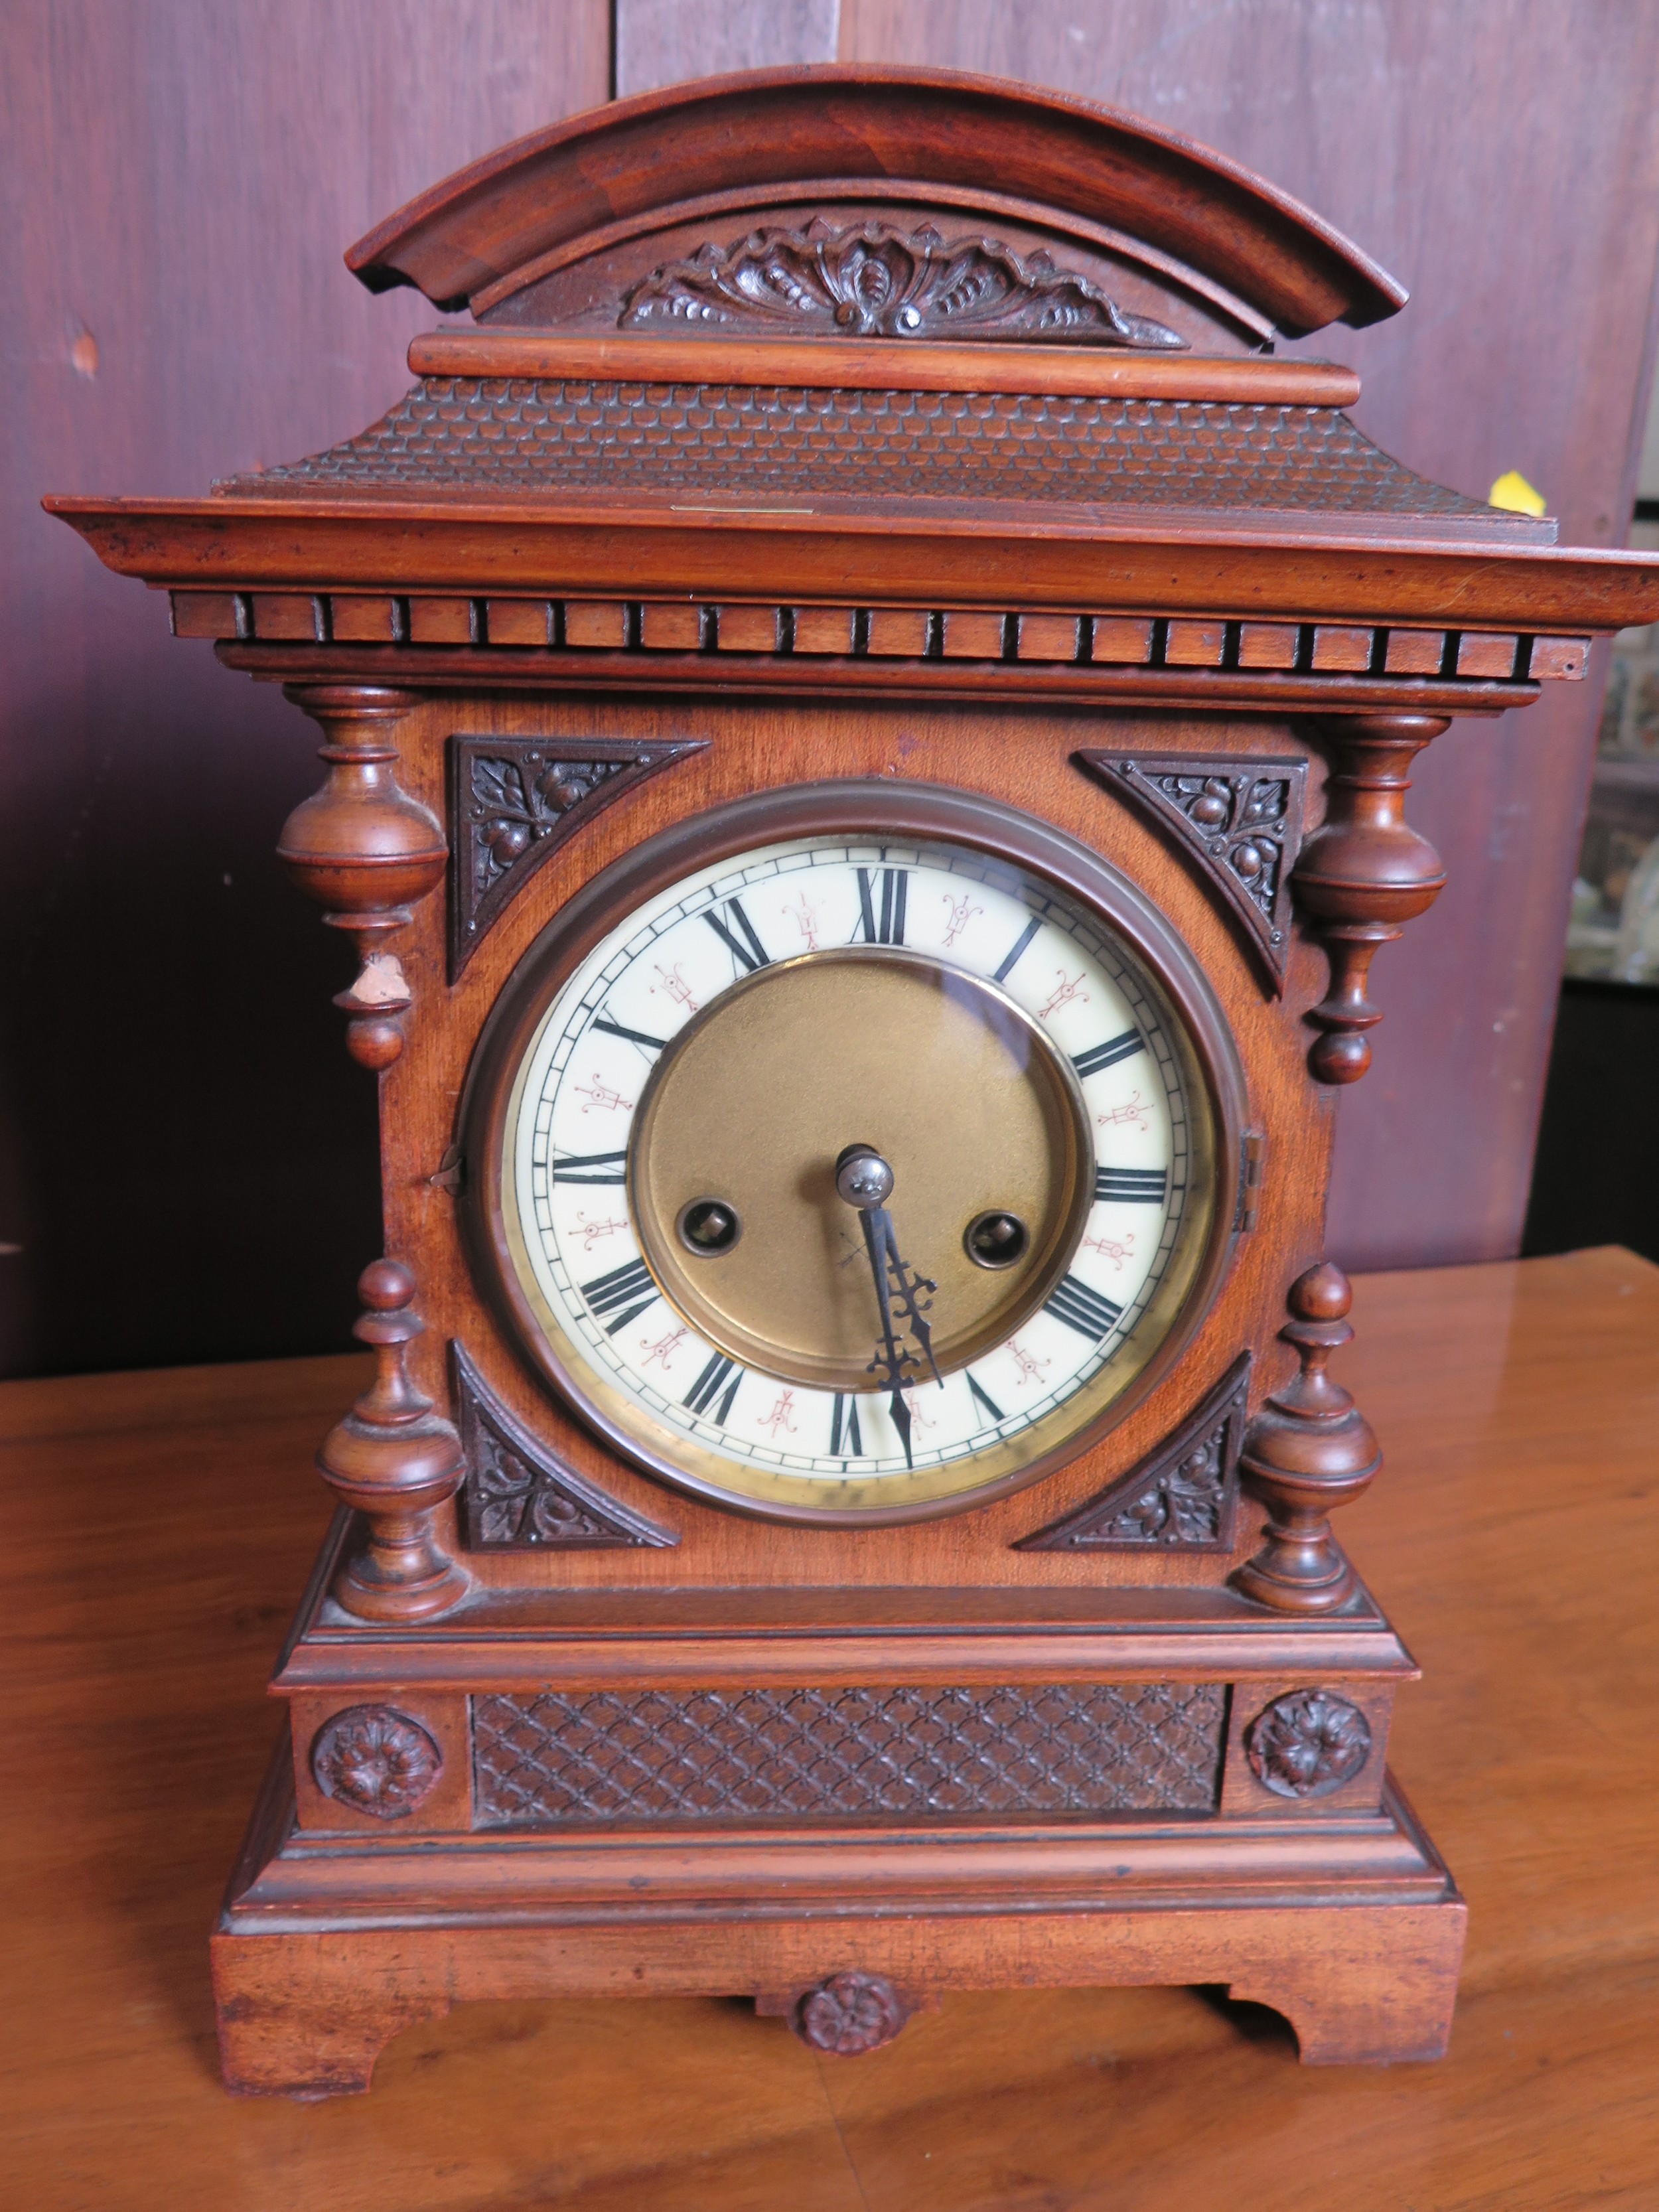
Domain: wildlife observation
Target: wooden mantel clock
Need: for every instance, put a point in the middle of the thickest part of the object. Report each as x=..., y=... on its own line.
x=867, y=719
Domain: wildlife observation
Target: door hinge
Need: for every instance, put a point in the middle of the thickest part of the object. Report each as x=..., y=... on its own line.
x=1254, y=1153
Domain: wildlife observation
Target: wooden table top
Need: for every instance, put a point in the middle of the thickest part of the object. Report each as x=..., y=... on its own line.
x=163, y=1526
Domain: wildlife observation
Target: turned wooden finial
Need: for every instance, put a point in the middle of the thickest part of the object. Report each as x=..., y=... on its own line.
x=1309, y=1450
x=395, y=1459
x=365, y=850
x=1364, y=873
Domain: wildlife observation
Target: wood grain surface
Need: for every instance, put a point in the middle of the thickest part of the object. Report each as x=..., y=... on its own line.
x=163, y=1524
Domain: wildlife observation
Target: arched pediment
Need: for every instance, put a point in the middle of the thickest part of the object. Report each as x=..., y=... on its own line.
x=561, y=228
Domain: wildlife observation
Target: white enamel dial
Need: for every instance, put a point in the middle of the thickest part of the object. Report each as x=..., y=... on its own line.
x=570, y=1180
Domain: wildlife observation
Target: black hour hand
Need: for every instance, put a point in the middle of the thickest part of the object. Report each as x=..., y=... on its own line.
x=864, y=1180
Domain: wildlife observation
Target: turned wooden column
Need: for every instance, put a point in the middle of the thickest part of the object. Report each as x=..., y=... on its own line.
x=395, y=1459
x=366, y=851
x=1362, y=874
x=1309, y=1450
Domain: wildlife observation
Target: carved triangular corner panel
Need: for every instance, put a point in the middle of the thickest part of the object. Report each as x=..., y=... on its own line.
x=1239, y=819
x=519, y=1496
x=513, y=802
x=1181, y=1499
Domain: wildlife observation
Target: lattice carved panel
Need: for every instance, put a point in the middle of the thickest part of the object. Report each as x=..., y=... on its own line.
x=754, y=1757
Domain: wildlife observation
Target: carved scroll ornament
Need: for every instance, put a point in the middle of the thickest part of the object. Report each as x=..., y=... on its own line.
x=870, y=280
x=849, y=2015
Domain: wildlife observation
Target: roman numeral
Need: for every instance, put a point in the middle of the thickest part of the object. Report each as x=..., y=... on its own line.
x=626, y=1292
x=844, y=1428
x=1017, y=947
x=890, y=930
x=1109, y=1054
x=590, y=1167
x=740, y=936
x=981, y=1398
x=1082, y=1308
x=708, y=1387
x=1132, y=1186
x=633, y=1037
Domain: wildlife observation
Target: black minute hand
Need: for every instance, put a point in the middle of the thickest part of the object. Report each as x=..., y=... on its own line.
x=866, y=1182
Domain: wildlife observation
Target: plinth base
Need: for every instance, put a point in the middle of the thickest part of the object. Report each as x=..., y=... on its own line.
x=1349, y=1925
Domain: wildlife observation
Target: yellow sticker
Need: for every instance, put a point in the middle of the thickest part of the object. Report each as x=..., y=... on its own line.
x=1516, y=496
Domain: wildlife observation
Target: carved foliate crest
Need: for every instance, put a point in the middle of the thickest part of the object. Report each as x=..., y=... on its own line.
x=519, y=1496
x=1181, y=1499
x=1239, y=819
x=870, y=281
x=513, y=802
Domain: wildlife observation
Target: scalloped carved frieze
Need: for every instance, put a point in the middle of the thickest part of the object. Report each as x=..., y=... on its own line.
x=513, y=801
x=519, y=1495
x=870, y=280
x=1181, y=1499
x=1240, y=820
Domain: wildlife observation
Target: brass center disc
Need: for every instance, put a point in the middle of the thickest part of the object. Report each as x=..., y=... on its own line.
x=955, y=1085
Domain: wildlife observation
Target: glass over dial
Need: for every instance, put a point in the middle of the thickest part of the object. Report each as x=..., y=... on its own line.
x=844, y=1177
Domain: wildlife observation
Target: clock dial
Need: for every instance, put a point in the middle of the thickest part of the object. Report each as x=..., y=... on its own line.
x=846, y=1176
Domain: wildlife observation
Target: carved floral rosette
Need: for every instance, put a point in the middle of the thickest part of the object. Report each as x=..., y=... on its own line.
x=375, y=1759
x=849, y=2015
x=1308, y=1744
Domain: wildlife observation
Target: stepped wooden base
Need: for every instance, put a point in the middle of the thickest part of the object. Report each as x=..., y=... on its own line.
x=1349, y=1925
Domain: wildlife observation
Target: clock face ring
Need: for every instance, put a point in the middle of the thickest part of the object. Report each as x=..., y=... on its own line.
x=751, y=1106
x=650, y=1127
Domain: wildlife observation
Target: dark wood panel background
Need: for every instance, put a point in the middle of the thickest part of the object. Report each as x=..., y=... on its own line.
x=185, y=1154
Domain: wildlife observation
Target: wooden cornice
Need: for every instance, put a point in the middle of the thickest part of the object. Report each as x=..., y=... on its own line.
x=871, y=556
